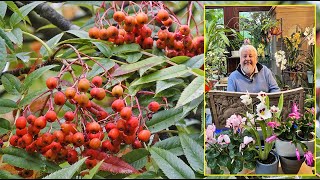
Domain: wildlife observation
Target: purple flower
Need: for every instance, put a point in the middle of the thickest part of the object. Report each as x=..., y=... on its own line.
x=294, y=112
x=294, y=108
x=273, y=124
x=271, y=138
x=297, y=154
x=294, y=115
x=309, y=157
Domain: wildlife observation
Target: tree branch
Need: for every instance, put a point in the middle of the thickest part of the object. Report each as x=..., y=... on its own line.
x=26, y=70
x=47, y=12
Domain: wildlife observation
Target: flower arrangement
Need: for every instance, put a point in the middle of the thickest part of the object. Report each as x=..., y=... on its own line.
x=295, y=58
x=232, y=149
x=266, y=118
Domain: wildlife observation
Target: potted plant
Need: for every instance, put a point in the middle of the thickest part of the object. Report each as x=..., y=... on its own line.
x=231, y=151
x=267, y=159
x=236, y=43
x=292, y=149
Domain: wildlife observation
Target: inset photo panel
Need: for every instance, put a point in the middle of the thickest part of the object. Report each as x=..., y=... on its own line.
x=260, y=90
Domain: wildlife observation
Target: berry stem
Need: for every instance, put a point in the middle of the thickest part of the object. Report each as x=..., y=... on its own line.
x=189, y=12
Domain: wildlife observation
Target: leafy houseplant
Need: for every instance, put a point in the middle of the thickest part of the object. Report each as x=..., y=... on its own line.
x=232, y=149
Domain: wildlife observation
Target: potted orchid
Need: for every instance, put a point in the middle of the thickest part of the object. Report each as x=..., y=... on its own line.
x=230, y=151
x=264, y=120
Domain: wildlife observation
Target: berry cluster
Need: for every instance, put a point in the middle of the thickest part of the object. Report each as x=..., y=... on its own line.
x=136, y=29
x=87, y=130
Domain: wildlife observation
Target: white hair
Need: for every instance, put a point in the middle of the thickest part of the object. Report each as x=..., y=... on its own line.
x=247, y=46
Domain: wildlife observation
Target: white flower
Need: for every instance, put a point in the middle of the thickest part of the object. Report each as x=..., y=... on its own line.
x=250, y=117
x=309, y=33
x=274, y=109
x=280, y=59
x=246, y=99
x=247, y=140
x=262, y=96
x=263, y=111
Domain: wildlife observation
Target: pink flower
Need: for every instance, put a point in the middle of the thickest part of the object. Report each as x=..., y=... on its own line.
x=223, y=139
x=271, y=138
x=297, y=154
x=235, y=122
x=309, y=157
x=294, y=108
x=273, y=124
x=294, y=115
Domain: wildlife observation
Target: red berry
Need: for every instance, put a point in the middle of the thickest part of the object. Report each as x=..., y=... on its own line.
x=69, y=116
x=113, y=133
x=97, y=81
x=40, y=122
x=21, y=122
x=163, y=15
x=117, y=105
x=59, y=98
x=52, y=82
x=144, y=135
x=95, y=143
x=51, y=116
x=154, y=106
x=110, y=126
x=126, y=113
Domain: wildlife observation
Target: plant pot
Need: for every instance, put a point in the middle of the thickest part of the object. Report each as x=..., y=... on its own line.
x=290, y=165
x=271, y=168
x=309, y=143
x=287, y=149
x=310, y=76
x=235, y=54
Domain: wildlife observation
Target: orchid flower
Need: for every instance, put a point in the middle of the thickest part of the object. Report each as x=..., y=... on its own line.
x=263, y=111
x=246, y=99
x=262, y=96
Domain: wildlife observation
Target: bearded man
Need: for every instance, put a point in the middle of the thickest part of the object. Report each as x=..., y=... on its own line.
x=250, y=75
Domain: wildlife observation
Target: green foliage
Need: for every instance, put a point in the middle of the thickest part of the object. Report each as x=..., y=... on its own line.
x=176, y=83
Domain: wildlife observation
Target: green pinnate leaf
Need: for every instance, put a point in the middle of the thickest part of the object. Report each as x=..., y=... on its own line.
x=11, y=83
x=164, y=119
x=179, y=59
x=137, y=158
x=68, y=172
x=146, y=63
x=194, y=90
x=5, y=126
x=163, y=74
x=7, y=105
x=172, y=166
x=192, y=150
x=171, y=144
x=33, y=161
x=35, y=75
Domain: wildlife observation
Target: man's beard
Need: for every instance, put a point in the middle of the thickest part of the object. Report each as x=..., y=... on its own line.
x=248, y=69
